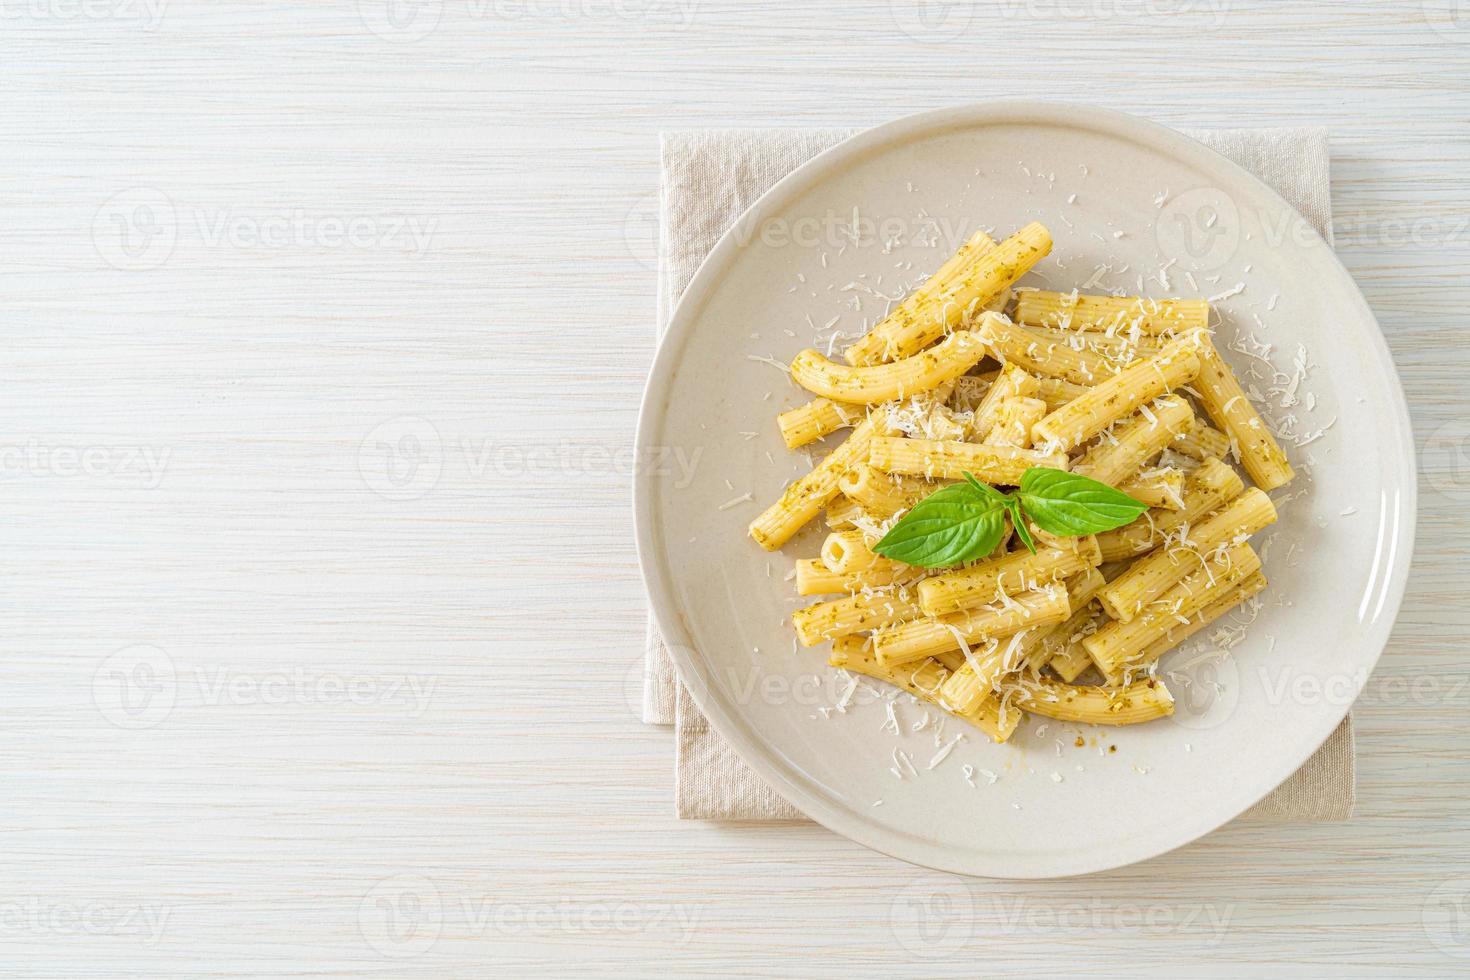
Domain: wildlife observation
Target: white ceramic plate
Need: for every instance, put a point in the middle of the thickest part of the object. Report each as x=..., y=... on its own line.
x=1337, y=560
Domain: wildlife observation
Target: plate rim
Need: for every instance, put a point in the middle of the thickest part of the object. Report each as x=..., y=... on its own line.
x=757, y=754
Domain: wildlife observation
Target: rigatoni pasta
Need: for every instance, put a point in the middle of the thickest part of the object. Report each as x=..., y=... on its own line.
x=1116, y=645
x=805, y=497
x=949, y=395
x=973, y=286
x=1018, y=571
x=976, y=678
x=1112, y=313
x=815, y=420
x=1135, y=440
x=1226, y=401
x=929, y=369
x=1120, y=395
x=1206, y=489
x=916, y=637
x=1147, y=579
x=930, y=302
x=946, y=460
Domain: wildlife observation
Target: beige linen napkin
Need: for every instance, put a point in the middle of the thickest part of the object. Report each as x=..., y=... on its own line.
x=709, y=178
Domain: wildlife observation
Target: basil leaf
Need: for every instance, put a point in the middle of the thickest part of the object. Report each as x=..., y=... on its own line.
x=985, y=489
x=948, y=527
x=1018, y=521
x=1069, y=504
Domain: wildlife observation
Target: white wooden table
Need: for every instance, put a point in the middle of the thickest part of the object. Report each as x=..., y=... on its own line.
x=325, y=329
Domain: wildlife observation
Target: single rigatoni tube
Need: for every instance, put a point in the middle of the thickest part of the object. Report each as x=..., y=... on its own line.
x=976, y=677
x=970, y=390
x=921, y=638
x=1151, y=576
x=924, y=303
x=1019, y=571
x=1119, y=396
x=855, y=614
x=1072, y=311
x=937, y=421
x=1011, y=383
x=973, y=287
x=815, y=578
x=1119, y=348
x=936, y=460
x=924, y=680
x=816, y=419
x=1226, y=402
x=1205, y=490
x=913, y=375
x=1014, y=421
x=1135, y=440
x=1011, y=344
x=1056, y=392
x=843, y=512
x=1202, y=441
x=804, y=498
x=884, y=494
x=848, y=552
x=1141, y=701
x=1072, y=660
x=1117, y=643
x=1162, y=488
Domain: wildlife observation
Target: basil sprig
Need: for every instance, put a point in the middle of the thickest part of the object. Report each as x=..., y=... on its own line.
x=965, y=521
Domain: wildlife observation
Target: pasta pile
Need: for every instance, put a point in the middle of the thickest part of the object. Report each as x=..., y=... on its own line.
x=967, y=376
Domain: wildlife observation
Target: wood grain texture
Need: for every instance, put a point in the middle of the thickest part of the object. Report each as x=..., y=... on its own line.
x=279, y=414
